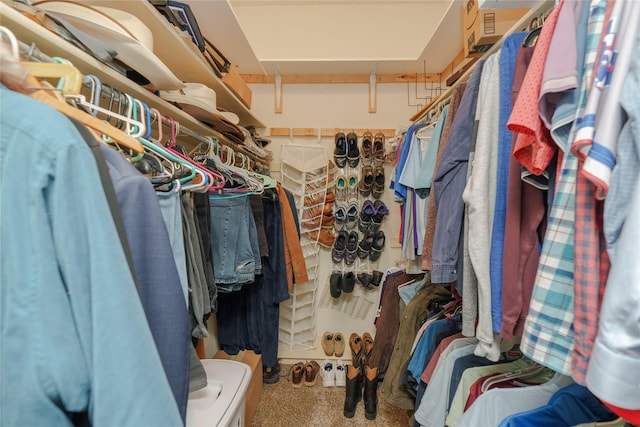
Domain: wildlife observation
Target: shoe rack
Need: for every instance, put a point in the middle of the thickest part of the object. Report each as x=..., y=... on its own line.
x=305, y=173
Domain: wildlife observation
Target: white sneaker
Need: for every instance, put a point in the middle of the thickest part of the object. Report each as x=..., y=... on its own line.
x=341, y=374
x=328, y=373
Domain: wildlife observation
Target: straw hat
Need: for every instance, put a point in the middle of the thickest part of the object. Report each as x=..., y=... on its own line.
x=120, y=31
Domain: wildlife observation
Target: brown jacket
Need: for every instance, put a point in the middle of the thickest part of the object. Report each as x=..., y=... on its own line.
x=294, y=259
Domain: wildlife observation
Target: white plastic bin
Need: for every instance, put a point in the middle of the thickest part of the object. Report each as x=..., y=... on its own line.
x=222, y=402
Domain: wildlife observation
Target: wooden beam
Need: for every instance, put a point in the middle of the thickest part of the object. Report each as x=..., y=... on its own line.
x=341, y=78
x=327, y=132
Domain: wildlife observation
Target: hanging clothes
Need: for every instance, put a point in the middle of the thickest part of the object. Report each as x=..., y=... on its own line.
x=110, y=372
x=451, y=174
x=548, y=333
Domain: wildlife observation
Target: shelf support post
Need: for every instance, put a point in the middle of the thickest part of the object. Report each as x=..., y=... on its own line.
x=373, y=92
x=278, y=94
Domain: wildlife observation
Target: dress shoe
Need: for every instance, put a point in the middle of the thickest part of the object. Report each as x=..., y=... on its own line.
x=312, y=369
x=353, y=152
x=324, y=237
x=340, y=151
x=327, y=220
x=314, y=199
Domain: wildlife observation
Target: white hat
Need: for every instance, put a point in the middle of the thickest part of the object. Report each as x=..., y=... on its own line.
x=120, y=31
x=200, y=101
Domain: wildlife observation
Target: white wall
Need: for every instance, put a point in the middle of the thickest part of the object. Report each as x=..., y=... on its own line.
x=336, y=106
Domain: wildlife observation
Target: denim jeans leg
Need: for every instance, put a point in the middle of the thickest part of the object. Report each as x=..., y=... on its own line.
x=171, y=213
x=233, y=255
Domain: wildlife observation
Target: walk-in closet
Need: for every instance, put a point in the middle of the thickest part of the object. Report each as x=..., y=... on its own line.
x=274, y=213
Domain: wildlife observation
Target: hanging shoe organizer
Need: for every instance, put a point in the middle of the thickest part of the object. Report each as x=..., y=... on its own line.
x=305, y=173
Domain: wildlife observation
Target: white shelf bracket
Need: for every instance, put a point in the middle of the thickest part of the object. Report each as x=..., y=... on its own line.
x=373, y=92
x=278, y=94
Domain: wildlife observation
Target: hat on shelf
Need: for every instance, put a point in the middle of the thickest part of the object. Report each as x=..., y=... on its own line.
x=199, y=101
x=251, y=144
x=259, y=139
x=123, y=34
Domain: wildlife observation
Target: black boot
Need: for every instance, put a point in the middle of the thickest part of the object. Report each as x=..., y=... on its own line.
x=370, y=393
x=354, y=391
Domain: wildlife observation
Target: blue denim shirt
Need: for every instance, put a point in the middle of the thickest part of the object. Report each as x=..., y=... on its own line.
x=75, y=345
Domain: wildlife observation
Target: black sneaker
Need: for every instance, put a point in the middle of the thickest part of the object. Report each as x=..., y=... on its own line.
x=271, y=375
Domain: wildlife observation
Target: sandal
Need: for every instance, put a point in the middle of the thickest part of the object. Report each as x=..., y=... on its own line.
x=367, y=147
x=340, y=152
x=378, y=182
x=378, y=149
x=366, y=181
x=353, y=153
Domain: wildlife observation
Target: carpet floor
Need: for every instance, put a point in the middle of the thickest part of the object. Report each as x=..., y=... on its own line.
x=317, y=406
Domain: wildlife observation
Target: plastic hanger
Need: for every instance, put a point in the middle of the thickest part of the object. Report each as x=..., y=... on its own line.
x=207, y=178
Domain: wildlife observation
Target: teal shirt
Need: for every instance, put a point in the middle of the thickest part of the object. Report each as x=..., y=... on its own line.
x=75, y=346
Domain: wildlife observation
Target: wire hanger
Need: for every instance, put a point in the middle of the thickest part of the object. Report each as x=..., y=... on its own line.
x=72, y=84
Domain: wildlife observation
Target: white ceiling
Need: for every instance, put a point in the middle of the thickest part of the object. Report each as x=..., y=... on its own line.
x=333, y=36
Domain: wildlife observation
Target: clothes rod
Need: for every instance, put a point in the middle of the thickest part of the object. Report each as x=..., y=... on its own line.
x=521, y=25
x=32, y=52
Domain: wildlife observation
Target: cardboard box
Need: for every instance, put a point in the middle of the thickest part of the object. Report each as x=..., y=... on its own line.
x=482, y=28
x=235, y=83
x=254, y=392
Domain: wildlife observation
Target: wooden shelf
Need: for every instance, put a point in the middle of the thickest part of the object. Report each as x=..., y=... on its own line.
x=182, y=57
x=29, y=32
x=327, y=132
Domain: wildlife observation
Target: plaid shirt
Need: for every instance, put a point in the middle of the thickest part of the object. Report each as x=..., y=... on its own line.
x=548, y=333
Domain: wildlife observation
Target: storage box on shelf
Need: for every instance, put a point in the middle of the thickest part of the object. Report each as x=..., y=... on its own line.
x=484, y=27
